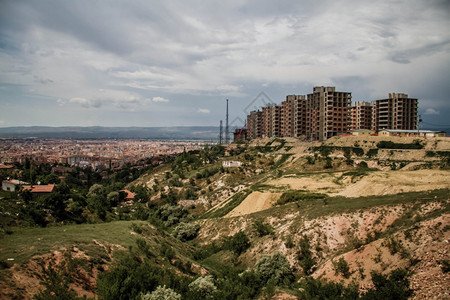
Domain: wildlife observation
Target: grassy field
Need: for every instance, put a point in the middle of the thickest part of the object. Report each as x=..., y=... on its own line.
x=24, y=243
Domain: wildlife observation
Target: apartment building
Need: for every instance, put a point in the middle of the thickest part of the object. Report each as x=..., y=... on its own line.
x=271, y=116
x=293, y=116
x=361, y=116
x=396, y=112
x=327, y=113
x=254, y=125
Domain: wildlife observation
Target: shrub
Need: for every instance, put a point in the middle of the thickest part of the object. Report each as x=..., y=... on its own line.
x=341, y=267
x=274, y=268
x=186, y=231
x=363, y=165
x=321, y=289
x=372, y=152
x=305, y=255
x=310, y=159
x=161, y=293
x=358, y=151
x=144, y=247
x=328, y=163
x=393, y=286
x=445, y=265
x=392, y=145
x=238, y=243
x=203, y=287
x=396, y=246
x=261, y=228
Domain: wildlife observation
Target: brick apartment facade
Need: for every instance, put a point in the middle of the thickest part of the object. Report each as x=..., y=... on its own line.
x=361, y=116
x=396, y=112
x=327, y=113
x=271, y=116
x=254, y=125
x=293, y=116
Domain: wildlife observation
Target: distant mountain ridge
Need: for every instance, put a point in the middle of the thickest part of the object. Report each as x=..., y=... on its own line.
x=100, y=132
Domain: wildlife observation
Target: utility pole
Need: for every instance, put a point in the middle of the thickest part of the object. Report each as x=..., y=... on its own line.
x=418, y=125
x=221, y=133
x=227, y=130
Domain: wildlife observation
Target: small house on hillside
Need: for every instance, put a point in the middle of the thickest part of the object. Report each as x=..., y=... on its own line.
x=130, y=195
x=231, y=164
x=39, y=190
x=418, y=133
x=12, y=185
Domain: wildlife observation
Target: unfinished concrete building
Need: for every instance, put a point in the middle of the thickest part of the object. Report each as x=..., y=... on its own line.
x=361, y=116
x=271, y=116
x=396, y=112
x=327, y=113
x=293, y=116
x=254, y=125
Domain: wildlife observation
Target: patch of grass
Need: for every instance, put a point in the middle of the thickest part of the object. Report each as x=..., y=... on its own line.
x=280, y=161
x=392, y=145
x=295, y=196
x=28, y=242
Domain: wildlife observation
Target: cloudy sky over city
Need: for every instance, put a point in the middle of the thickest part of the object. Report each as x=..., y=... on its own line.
x=171, y=63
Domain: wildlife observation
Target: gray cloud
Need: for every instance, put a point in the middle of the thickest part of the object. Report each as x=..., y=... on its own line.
x=115, y=55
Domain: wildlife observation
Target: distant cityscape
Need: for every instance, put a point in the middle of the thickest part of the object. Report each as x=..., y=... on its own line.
x=96, y=154
x=326, y=113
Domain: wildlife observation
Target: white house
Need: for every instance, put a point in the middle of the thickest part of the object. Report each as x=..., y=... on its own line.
x=231, y=164
x=12, y=185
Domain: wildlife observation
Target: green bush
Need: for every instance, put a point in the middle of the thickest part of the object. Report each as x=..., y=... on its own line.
x=394, y=286
x=261, y=228
x=186, y=231
x=304, y=255
x=392, y=145
x=203, y=287
x=321, y=289
x=238, y=243
x=358, y=151
x=274, y=268
x=161, y=293
x=341, y=267
x=372, y=152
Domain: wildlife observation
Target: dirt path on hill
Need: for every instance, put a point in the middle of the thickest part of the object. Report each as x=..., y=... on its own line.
x=254, y=202
x=375, y=183
x=316, y=182
x=394, y=182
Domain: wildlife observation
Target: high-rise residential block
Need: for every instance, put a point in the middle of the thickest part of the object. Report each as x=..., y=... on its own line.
x=293, y=116
x=327, y=113
x=396, y=112
x=271, y=116
x=254, y=125
x=361, y=116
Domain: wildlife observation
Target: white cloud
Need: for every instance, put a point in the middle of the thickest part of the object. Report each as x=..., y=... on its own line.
x=85, y=102
x=60, y=102
x=431, y=111
x=204, y=111
x=227, y=49
x=160, y=99
x=2, y=122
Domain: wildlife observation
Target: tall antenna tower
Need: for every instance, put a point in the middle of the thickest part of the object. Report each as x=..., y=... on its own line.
x=221, y=133
x=227, y=131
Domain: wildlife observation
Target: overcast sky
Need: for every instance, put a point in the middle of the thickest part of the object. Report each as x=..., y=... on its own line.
x=167, y=63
